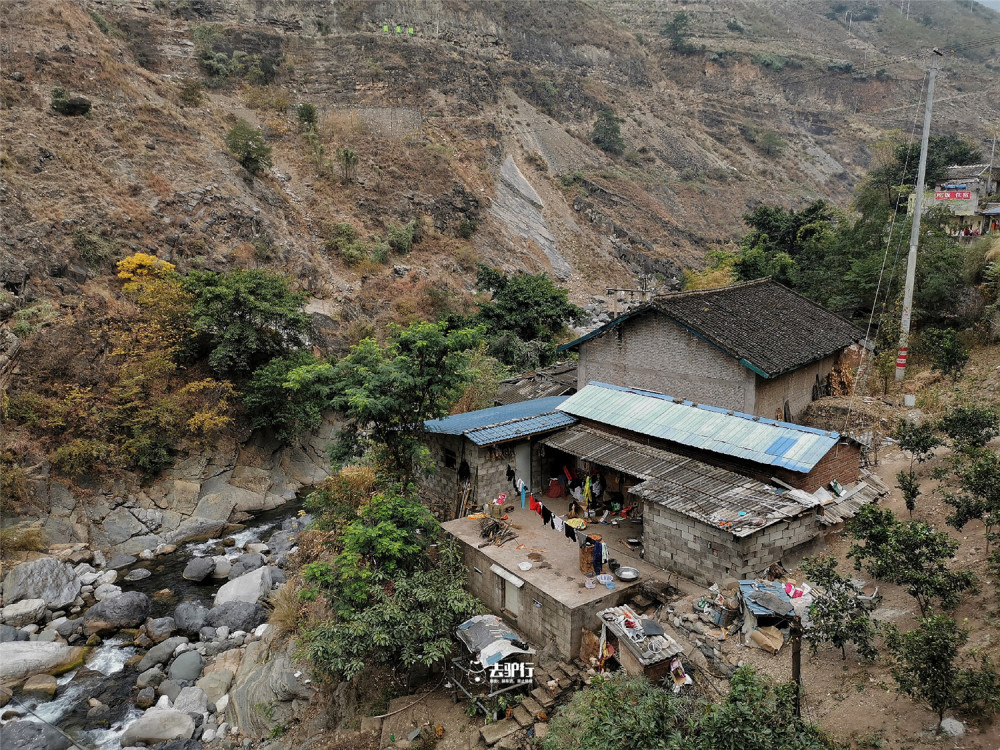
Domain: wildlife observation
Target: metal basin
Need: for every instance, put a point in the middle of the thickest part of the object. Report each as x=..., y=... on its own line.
x=627, y=574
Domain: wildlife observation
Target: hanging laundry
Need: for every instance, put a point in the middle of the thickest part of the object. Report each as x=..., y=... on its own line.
x=524, y=492
x=598, y=557
x=570, y=533
x=534, y=505
x=558, y=524
x=588, y=496
x=546, y=516
x=510, y=474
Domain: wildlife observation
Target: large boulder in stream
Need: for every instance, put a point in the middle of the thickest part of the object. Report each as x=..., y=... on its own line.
x=20, y=659
x=245, y=563
x=266, y=676
x=249, y=587
x=47, y=579
x=159, y=725
x=237, y=616
x=125, y=611
x=190, y=617
x=198, y=569
x=31, y=735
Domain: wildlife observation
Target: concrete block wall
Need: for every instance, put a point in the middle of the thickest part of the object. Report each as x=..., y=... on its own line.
x=652, y=353
x=707, y=554
x=492, y=463
x=440, y=488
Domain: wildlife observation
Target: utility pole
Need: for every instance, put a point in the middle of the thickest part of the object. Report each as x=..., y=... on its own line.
x=796, y=633
x=911, y=261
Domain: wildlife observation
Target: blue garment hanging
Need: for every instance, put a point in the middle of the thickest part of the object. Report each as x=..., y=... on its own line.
x=524, y=494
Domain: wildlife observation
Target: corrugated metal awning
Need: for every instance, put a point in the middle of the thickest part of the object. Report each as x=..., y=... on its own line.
x=715, y=496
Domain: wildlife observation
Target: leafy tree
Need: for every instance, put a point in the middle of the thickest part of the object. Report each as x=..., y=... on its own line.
x=524, y=315
x=909, y=554
x=607, y=132
x=919, y=440
x=288, y=395
x=771, y=143
x=676, y=30
x=391, y=389
x=307, y=115
x=348, y=160
x=615, y=707
x=247, y=144
x=384, y=583
x=246, y=318
x=969, y=427
x=838, y=615
x=980, y=499
x=909, y=486
x=927, y=667
x=618, y=711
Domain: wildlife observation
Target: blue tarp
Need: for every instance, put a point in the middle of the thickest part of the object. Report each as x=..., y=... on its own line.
x=748, y=588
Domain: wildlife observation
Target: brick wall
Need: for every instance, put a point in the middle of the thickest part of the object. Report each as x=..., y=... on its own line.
x=706, y=554
x=795, y=387
x=842, y=463
x=652, y=353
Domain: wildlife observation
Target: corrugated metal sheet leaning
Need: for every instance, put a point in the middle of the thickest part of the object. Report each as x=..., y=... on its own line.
x=732, y=433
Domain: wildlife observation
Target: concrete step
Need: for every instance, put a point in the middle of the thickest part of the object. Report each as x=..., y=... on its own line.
x=521, y=716
x=493, y=733
x=532, y=706
x=542, y=695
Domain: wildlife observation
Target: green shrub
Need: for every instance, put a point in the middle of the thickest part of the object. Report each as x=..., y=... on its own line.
x=64, y=104
x=468, y=227
x=247, y=144
x=190, y=91
x=380, y=252
x=840, y=66
x=400, y=237
x=101, y=22
x=93, y=249
x=80, y=457
x=307, y=114
x=770, y=61
x=607, y=133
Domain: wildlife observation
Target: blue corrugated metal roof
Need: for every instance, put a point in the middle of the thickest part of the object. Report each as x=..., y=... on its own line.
x=508, y=422
x=520, y=428
x=732, y=433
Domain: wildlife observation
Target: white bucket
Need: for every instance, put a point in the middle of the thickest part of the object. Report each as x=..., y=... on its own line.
x=589, y=581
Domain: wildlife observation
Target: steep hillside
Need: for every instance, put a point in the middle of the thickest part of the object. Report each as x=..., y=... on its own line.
x=777, y=102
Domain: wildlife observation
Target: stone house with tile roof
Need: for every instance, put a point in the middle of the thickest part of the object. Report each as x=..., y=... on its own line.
x=756, y=347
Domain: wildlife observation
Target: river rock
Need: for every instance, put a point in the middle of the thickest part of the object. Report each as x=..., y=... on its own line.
x=193, y=529
x=245, y=563
x=158, y=725
x=237, y=616
x=216, y=684
x=198, y=569
x=138, y=574
x=31, y=735
x=125, y=611
x=23, y=612
x=45, y=578
x=168, y=689
x=145, y=698
x=142, y=546
x=222, y=567
x=19, y=659
x=186, y=667
x=215, y=506
x=190, y=617
x=181, y=745
x=10, y=633
x=161, y=628
x=952, y=727
x=122, y=561
x=41, y=685
x=107, y=577
x=249, y=587
x=160, y=653
x=5, y=696
x=192, y=700
x=150, y=678
x=98, y=714
x=107, y=591
x=67, y=627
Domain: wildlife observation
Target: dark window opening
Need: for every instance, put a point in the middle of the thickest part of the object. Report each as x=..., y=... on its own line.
x=450, y=459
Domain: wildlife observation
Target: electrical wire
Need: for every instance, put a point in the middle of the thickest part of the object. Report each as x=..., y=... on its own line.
x=885, y=256
x=74, y=745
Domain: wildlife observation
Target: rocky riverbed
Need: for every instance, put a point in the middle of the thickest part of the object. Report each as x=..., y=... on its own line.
x=167, y=646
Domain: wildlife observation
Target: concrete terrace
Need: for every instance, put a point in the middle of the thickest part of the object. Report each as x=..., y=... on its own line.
x=563, y=581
